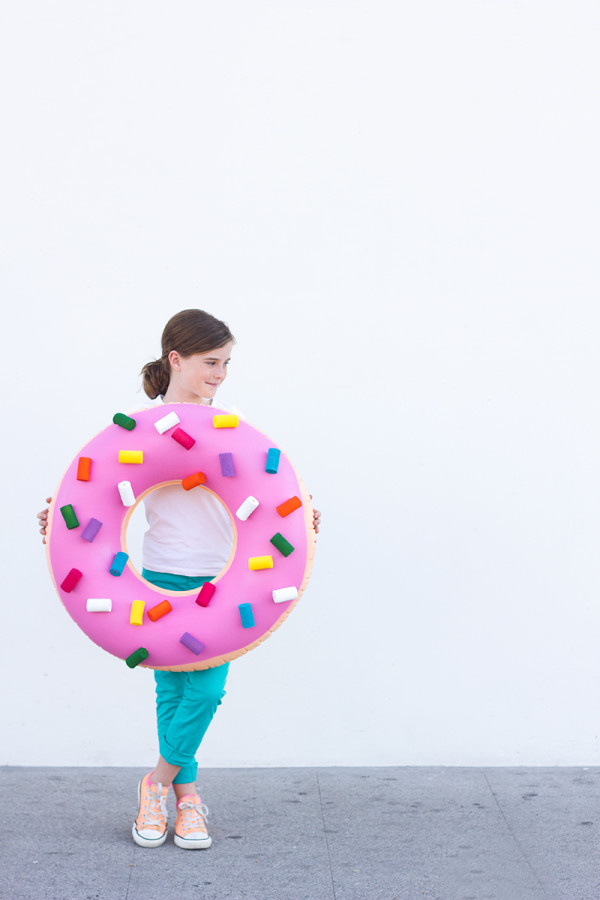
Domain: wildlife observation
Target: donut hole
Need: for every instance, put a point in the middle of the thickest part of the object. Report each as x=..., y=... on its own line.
x=176, y=531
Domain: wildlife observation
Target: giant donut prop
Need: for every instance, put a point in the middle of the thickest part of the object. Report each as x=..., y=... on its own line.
x=202, y=449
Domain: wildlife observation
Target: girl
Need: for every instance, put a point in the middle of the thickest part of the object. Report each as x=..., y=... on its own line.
x=188, y=542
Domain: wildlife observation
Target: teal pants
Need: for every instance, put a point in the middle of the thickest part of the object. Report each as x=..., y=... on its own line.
x=185, y=701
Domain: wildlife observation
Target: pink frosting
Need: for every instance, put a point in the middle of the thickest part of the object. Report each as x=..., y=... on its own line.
x=218, y=626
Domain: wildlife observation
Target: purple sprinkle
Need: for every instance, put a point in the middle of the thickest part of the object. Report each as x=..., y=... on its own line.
x=227, y=467
x=188, y=640
x=91, y=530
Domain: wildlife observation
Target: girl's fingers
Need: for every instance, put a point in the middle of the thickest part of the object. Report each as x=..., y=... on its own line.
x=43, y=520
x=316, y=517
x=44, y=512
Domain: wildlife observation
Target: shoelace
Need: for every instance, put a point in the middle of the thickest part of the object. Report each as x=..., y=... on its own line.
x=154, y=809
x=192, y=815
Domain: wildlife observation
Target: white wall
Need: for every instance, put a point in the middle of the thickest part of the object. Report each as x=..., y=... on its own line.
x=395, y=206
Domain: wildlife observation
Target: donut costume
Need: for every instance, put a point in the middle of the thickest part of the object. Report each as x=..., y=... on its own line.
x=198, y=448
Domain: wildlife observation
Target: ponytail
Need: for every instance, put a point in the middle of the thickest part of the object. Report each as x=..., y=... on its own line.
x=155, y=377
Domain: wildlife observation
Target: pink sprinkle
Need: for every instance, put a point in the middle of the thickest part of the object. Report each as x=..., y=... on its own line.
x=71, y=580
x=206, y=592
x=183, y=438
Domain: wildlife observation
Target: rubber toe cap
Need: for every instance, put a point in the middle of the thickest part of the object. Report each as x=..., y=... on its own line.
x=148, y=837
x=195, y=840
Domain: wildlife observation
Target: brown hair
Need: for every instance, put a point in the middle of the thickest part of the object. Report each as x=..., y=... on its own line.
x=189, y=331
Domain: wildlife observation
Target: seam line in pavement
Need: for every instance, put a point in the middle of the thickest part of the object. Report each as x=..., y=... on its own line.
x=132, y=865
x=325, y=835
x=513, y=836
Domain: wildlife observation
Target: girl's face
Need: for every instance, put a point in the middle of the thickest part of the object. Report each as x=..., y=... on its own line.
x=197, y=377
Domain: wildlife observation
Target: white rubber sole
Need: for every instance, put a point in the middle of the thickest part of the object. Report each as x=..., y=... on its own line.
x=202, y=844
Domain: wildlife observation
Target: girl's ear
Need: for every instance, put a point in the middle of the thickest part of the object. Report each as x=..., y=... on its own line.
x=174, y=360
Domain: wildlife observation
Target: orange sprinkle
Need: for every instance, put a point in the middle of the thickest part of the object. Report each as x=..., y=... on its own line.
x=284, y=509
x=193, y=481
x=157, y=612
x=84, y=467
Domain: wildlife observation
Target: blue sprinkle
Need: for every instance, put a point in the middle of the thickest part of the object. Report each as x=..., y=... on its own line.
x=272, y=461
x=118, y=563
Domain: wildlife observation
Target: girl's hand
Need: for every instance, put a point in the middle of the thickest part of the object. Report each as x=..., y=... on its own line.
x=43, y=520
x=316, y=518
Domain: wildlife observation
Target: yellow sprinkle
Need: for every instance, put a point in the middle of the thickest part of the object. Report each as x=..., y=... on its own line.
x=137, y=612
x=131, y=456
x=226, y=421
x=260, y=562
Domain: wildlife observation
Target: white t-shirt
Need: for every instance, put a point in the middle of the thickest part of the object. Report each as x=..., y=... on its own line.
x=190, y=532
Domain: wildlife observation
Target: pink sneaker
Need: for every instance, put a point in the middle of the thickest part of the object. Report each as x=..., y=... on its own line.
x=190, y=827
x=150, y=827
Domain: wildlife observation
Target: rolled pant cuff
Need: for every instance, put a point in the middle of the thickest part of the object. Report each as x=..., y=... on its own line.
x=186, y=775
x=188, y=769
x=173, y=756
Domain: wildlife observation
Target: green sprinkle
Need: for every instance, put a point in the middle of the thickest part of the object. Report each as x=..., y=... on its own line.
x=137, y=657
x=124, y=421
x=281, y=544
x=69, y=516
